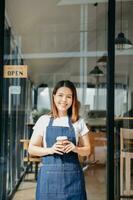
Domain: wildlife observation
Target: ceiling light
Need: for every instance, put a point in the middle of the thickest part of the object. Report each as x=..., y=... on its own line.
x=96, y=71
x=102, y=60
x=121, y=42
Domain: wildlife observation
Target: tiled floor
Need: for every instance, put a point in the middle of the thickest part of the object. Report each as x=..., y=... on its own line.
x=26, y=190
x=95, y=177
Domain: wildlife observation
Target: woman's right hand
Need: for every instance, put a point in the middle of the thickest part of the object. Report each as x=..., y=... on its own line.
x=58, y=148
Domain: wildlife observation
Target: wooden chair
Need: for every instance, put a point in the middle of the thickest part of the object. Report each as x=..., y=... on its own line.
x=126, y=155
x=97, y=140
x=28, y=158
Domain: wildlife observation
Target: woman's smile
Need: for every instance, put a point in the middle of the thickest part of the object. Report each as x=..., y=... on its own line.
x=63, y=100
x=62, y=104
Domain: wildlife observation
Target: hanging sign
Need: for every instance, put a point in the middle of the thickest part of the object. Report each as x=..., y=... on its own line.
x=15, y=71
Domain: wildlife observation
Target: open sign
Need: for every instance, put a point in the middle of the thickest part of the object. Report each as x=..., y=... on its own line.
x=15, y=71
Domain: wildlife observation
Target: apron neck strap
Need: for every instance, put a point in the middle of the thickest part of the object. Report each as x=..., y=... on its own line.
x=69, y=122
x=51, y=121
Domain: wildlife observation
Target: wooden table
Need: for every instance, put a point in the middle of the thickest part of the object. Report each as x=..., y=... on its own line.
x=29, y=158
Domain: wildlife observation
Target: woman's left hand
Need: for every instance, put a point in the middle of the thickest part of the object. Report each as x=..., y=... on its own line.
x=69, y=146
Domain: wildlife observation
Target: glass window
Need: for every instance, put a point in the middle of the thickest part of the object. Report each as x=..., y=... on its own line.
x=123, y=101
x=58, y=40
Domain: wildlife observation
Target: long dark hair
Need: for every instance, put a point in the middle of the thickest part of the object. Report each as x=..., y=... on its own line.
x=73, y=111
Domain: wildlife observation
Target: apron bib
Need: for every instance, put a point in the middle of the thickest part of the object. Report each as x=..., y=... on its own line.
x=60, y=177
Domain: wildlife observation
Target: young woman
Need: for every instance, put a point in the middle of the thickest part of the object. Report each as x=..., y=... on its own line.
x=60, y=176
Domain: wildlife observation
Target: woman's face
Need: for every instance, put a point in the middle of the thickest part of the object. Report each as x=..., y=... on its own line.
x=63, y=100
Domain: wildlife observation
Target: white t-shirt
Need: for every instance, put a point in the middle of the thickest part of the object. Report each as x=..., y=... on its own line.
x=42, y=123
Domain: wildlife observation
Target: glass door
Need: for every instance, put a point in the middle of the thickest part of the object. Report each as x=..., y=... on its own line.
x=123, y=102
x=57, y=40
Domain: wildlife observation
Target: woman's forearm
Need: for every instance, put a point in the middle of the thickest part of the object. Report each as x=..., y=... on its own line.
x=82, y=151
x=43, y=151
x=38, y=151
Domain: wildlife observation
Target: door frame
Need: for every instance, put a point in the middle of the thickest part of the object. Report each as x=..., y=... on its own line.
x=110, y=99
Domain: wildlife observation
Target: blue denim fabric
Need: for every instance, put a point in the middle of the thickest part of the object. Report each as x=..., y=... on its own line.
x=60, y=177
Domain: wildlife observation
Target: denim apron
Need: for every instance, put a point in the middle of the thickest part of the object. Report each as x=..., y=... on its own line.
x=60, y=176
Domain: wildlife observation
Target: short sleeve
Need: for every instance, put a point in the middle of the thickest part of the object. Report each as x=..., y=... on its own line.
x=82, y=127
x=38, y=128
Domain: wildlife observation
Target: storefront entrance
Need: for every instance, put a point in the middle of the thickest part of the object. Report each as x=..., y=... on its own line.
x=47, y=41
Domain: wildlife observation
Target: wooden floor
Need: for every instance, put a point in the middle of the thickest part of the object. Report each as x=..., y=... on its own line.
x=95, y=178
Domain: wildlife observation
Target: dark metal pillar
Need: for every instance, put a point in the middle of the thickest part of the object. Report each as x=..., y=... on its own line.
x=110, y=100
x=2, y=137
